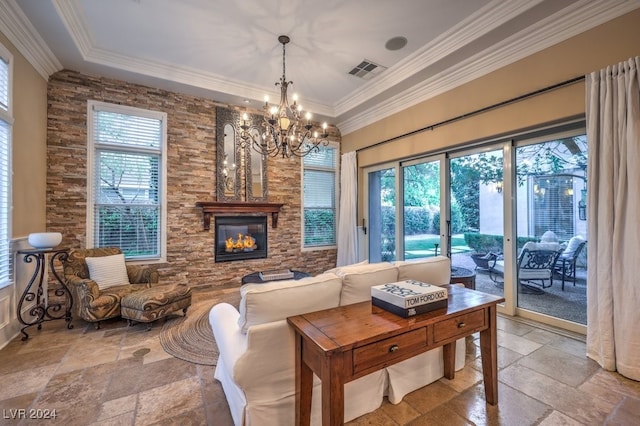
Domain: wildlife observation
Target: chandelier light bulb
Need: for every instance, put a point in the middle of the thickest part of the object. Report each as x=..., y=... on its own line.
x=266, y=99
x=295, y=98
x=308, y=116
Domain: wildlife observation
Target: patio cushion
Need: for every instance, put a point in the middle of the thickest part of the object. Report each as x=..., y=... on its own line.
x=572, y=246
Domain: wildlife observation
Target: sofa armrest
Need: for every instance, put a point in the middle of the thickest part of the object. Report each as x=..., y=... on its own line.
x=85, y=286
x=231, y=342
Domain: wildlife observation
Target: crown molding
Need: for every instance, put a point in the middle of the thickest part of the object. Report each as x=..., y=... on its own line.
x=569, y=22
x=75, y=22
x=70, y=12
x=23, y=35
x=493, y=15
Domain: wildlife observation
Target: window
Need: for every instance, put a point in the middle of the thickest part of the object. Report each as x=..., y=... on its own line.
x=320, y=177
x=126, y=205
x=6, y=120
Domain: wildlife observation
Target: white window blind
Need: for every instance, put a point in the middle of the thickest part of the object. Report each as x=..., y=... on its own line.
x=319, y=203
x=128, y=198
x=4, y=84
x=5, y=167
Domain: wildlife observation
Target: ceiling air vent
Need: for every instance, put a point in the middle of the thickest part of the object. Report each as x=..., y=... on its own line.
x=367, y=69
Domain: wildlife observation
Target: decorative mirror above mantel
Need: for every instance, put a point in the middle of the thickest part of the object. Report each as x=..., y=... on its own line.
x=236, y=166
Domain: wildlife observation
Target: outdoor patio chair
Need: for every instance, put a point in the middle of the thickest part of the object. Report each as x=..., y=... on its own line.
x=536, y=264
x=566, y=263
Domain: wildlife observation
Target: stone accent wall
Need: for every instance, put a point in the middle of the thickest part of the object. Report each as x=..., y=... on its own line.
x=191, y=177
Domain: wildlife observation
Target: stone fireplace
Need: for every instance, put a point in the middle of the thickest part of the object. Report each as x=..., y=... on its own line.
x=240, y=238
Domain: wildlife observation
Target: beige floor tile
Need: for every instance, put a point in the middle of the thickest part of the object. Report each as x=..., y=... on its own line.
x=377, y=418
x=463, y=379
x=401, y=413
x=118, y=407
x=627, y=412
x=126, y=419
x=516, y=343
x=40, y=356
x=611, y=386
x=26, y=381
x=578, y=405
x=440, y=416
x=168, y=401
x=76, y=400
x=556, y=418
x=562, y=366
x=139, y=378
x=79, y=359
x=429, y=397
x=514, y=407
x=513, y=327
x=569, y=345
x=541, y=336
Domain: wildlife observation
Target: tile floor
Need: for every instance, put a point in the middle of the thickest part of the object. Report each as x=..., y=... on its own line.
x=120, y=375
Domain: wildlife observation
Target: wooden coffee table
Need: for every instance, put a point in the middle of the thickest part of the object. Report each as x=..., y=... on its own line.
x=347, y=342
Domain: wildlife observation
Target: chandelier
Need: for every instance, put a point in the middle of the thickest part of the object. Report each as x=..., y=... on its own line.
x=287, y=131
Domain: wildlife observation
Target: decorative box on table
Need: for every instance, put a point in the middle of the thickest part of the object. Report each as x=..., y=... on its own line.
x=408, y=298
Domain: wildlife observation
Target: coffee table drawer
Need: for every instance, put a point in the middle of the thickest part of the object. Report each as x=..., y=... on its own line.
x=388, y=349
x=458, y=326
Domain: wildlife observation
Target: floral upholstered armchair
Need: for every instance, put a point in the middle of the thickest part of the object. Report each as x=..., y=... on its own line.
x=94, y=301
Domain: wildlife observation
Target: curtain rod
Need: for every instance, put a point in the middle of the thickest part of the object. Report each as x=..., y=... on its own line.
x=476, y=112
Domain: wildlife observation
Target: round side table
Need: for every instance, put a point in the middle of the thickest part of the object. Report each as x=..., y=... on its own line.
x=42, y=310
x=463, y=276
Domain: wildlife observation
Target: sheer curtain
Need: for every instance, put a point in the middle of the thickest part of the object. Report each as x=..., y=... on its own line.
x=613, y=293
x=347, y=220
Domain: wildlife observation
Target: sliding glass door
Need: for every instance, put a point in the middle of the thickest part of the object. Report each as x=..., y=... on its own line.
x=551, y=225
x=485, y=207
x=381, y=196
x=421, y=209
x=477, y=216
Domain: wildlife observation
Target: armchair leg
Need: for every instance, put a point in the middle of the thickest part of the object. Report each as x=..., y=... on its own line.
x=97, y=325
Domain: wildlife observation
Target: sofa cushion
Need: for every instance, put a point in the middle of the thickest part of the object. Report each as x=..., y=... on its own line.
x=434, y=270
x=358, y=279
x=277, y=300
x=108, y=271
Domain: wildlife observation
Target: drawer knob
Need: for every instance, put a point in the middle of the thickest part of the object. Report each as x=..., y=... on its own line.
x=461, y=324
x=393, y=348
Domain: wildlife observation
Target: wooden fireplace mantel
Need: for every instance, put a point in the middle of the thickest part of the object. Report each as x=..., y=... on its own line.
x=210, y=208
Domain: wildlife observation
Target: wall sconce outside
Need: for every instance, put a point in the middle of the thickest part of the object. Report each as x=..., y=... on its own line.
x=582, y=205
x=499, y=187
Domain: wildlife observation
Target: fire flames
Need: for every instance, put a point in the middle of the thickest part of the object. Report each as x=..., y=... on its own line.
x=243, y=242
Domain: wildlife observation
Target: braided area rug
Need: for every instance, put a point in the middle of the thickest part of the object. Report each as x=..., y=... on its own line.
x=190, y=338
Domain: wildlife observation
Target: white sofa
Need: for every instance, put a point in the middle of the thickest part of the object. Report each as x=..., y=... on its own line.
x=256, y=365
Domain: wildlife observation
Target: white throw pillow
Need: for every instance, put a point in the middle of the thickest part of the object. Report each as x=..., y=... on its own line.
x=108, y=271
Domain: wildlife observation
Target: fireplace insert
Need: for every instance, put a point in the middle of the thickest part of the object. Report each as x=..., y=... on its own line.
x=240, y=238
